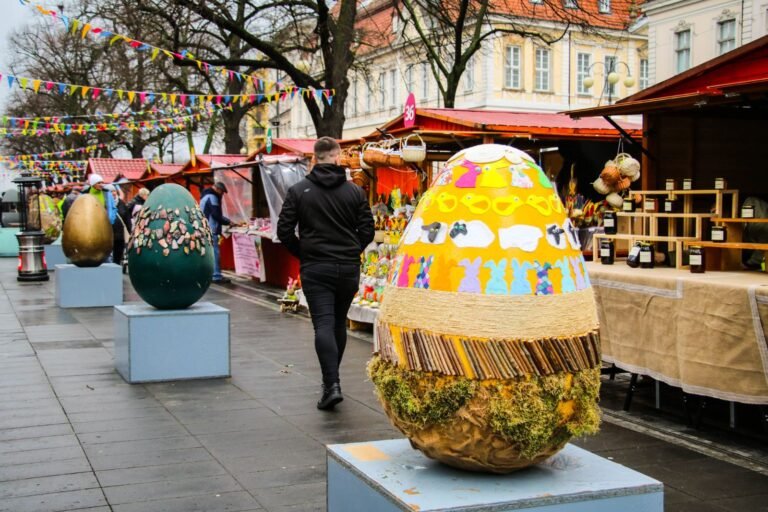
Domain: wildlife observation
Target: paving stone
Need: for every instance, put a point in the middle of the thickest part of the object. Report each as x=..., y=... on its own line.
x=281, y=477
x=296, y=494
x=229, y=502
x=183, y=471
x=33, y=432
x=37, y=443
x=132, y=434
x=58, y=332
x=234, y=444
x=62, y=501
x=141, y=446
x=44, y=455
x=233, y=421
x=156, y=458
x=757, y=503
x=155, y=419
x=48, y=484
x=33, y=420
x=154, y=491
x=41, y=469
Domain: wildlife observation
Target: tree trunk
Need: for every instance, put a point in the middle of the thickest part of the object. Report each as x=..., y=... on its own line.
x=233, y=143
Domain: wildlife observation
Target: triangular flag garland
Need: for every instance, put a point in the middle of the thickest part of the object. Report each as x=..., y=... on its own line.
x=17, y=122
x=142, y=97
x=52, y=154
x=163, y=125
x=51, y=165
x=74, y=25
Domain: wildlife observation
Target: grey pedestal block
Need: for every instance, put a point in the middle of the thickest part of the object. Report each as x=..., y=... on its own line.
x=91, y=287
x=390, y=476
x=161, y=345
x=54, y=255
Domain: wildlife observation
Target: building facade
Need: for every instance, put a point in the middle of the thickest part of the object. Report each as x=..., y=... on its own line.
x=510, y=72
x=684, y=33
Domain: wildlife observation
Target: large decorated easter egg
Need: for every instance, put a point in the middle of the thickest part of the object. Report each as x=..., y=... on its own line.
x=487, y=353
x=87, y=238
x=170, y=256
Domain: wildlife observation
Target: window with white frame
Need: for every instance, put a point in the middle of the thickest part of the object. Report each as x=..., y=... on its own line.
x=469, y=75
x=354, y=97
x=604, y=6
x=583, y=61
x=726, y=36
x=368, y=98
x=393, y=87
x=512, y=67
x=682, y=50
x=382, y=90
x=409, y=78
x=543, y=69
x=570, y=4
x=536, y=1
x=610, y=66
x=425, y=80
x=643, y=84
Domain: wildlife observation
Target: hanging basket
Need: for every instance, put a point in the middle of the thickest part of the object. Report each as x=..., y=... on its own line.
x=349, y=158
x=414, y=152
x=374, y=155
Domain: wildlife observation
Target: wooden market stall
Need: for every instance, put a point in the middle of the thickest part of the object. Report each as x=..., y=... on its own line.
x=197, y=175
x=159, y=174
x=703, y=134
x=115, y=169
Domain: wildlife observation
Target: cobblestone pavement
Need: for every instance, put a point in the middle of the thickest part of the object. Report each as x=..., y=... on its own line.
x=75, y=436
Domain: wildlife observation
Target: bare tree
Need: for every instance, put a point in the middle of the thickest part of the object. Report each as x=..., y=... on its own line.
x=287, y=35
x=451, y=32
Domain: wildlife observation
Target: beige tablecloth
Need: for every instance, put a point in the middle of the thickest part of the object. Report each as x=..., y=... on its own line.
x=701, y=332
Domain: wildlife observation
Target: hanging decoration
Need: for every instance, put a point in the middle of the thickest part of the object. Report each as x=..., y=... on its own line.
x=82, y=28
x=24, y=122
x=52, y=154
x=50, y=165
x=166, y=125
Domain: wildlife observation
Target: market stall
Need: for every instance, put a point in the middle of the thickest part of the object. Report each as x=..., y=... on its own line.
x=114, y=170
x=700, y=207
x=159, y=174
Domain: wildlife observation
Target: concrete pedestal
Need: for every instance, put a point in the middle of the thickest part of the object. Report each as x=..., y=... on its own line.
x=92, y=287
x=54, y=255
x=160, y=345
x=9, y=245
x=389, y=476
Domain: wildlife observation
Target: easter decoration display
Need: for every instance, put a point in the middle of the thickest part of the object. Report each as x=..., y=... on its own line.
x=87, y=238
x=487, y=353
x=170, y=253
x=170, y=264
x=616, y=177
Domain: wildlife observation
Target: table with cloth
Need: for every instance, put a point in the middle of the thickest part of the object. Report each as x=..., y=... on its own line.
x=703, y=333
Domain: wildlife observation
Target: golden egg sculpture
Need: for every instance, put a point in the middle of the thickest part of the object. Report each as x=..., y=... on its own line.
x=87, y=239
x=487, y=355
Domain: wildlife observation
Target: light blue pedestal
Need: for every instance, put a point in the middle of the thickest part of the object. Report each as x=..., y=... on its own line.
x=9, y=244
x=92, y=287
x=160, y=345
x=389, y=476
x=54, y=255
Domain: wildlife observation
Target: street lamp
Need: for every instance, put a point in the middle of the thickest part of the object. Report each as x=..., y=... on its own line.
x=32, y=265
x=612, y=78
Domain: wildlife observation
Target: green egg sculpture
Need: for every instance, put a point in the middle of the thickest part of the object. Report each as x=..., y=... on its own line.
x=170, y=256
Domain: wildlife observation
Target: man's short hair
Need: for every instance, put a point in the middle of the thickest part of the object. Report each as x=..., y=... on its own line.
x=324, y=146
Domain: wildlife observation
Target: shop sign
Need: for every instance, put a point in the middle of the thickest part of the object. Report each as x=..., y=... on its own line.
x=269, y=140
x=409, y=113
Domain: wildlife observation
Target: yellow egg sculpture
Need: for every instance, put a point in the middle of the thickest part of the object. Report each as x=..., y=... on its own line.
x=87, y=238
x=487, y=354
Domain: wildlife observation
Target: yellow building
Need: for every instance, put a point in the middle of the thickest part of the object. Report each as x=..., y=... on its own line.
x=508, y=72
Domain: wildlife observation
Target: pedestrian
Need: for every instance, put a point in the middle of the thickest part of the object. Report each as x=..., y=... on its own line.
x=135, y=205
x=210, y=205
x=104, y=197
x=120, y=229
x=67, y=204
x=335, y=225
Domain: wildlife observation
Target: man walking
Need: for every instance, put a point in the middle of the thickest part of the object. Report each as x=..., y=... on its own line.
x=210, y=205
x=335, y=225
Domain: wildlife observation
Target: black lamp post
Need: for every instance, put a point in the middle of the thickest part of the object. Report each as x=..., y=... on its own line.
x=32, y=265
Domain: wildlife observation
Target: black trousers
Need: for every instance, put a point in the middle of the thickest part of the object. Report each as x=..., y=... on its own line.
x=330, y=288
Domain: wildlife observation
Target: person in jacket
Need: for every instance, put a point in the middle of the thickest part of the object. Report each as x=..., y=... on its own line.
x=120, y=228
x=69, y=200
x=210, y=205
x=103, y=196
x=135, y=205
x=335, y=225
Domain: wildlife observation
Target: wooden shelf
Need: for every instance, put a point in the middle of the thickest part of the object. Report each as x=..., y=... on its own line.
x=682, y=192
x=739, y=220
x=729, y=245
x=648, y=238
x=666, y=215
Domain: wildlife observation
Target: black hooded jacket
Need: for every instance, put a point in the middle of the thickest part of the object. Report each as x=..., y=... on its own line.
x=334, y=219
